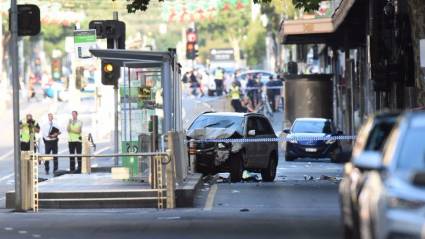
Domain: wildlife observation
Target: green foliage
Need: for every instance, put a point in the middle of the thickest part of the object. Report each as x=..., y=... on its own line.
x=54, y=37
x=254, y=43
x=307, y=5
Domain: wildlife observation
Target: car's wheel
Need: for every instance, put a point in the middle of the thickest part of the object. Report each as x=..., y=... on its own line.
x=289, y=158
x=335, y=155
x=236, y=168
x=268, y=174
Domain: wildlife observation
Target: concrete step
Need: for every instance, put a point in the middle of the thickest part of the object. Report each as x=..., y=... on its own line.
x=99, y=194
x=92, y=203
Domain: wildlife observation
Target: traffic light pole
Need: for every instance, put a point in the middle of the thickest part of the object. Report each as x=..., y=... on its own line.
x=116, y=132
x=15, y=85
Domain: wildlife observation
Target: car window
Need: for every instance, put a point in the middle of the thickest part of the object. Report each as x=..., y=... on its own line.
x=304, y=126
x=412, y=151
x=251, y=125
x=218, y=121
x=379, y=135
x=264, y=127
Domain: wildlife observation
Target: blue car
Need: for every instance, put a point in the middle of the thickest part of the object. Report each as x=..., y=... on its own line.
x=305, y=139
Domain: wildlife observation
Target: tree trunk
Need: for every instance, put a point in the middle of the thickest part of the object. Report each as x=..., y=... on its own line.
x=417, y=20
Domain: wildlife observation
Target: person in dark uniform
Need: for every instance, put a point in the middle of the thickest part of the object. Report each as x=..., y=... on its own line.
x=51, y=133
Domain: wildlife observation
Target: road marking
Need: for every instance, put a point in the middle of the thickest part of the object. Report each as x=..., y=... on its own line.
x=8, y=228
x=22, y=232
x=36, y=235
x=102, y=150
x=6, y=177
x=210, y=199
x=8, y=154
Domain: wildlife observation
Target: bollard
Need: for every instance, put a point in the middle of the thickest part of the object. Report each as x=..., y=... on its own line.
x=171, y=185
x=86, y=161
x=26, y=180
x=192, y=155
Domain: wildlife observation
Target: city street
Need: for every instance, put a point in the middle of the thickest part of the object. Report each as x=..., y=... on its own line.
x=291, y=207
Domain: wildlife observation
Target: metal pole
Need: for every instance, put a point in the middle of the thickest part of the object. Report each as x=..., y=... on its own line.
x=15, y=86
x=116, y=135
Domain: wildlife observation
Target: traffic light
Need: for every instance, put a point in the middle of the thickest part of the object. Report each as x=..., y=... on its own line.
x=112, y=30
x=110, y=72
x=190, y=50
x=28, y=20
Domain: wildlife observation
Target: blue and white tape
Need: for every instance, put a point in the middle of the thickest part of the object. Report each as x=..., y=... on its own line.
x=278, y=139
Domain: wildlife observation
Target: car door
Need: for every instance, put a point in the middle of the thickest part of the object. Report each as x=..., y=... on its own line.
x=250, y=147
x=265, y=131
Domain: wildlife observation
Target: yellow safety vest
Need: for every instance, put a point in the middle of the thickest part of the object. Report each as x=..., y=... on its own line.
x=235, y=93
x=25, y=133
x=74, y=137
x=219, y=75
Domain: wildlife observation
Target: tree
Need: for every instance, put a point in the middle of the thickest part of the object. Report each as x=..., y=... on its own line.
x=307, y=5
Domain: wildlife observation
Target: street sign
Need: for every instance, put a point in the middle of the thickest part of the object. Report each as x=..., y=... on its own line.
x=84, y=40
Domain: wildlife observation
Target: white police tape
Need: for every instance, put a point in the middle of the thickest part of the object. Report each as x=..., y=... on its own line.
x=277, y=139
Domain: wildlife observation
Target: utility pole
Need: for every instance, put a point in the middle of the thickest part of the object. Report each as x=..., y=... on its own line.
x=116, y=135
x=15, y=86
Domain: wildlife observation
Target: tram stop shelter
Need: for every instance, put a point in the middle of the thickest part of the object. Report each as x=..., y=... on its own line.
x=149, y=102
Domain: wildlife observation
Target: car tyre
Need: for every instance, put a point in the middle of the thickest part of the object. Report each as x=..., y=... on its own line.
x=289, y=158
x=335, y=155
x=269, y=174
x=236, y=168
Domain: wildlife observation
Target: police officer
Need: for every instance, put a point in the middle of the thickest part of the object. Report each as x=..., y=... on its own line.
x=235, y=95
x=75, y=140
x=219, y=78
x=28, y=129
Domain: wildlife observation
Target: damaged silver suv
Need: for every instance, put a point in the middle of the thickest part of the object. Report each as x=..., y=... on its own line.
x=234, y=157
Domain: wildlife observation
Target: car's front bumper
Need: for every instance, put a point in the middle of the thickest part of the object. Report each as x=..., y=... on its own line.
x=309, y=151
x=405, y=224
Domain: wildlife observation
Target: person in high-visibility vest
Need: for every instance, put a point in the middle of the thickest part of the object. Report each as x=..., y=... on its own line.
x=75, y=141
x=28, y=129
x=235, y=95
x=219, y=78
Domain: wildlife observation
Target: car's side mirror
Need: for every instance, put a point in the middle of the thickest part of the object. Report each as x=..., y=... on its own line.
x=369, y=160
x=251, y=132
x=418, y=179
x=287, y=131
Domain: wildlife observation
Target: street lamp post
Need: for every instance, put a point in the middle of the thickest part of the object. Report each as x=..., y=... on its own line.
x=15, y=86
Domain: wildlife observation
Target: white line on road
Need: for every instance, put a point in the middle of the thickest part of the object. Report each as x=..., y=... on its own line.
x=6, y=177
x=8, y=154
x=102, y=150
x=210, y=199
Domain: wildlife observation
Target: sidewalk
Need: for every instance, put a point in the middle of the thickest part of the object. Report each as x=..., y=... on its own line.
x=99, y=190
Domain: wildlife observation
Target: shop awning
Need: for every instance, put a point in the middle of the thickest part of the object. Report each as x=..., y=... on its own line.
x=315, y=30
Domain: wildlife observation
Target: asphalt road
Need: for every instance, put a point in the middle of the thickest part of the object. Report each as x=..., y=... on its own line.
x=301, y=203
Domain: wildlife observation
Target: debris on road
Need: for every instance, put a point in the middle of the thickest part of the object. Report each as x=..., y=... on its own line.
x=244, y=210
x=308, y=177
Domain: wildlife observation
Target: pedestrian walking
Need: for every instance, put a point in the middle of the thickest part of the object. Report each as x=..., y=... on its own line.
x=75, y=145
x=51, y=132
x=28, y=130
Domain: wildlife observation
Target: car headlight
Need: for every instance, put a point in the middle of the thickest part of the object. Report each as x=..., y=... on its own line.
x=293, y=141
x=221, y=146
x=330, y=141
x=403, y=203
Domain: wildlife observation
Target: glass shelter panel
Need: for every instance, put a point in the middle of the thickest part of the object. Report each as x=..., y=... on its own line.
x=141, y=94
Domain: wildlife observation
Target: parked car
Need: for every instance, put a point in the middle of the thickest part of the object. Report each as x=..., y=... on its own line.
x=213, y=157
x=306, y=128
x=370, y=138
x=392, y=201
x=262, y=74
